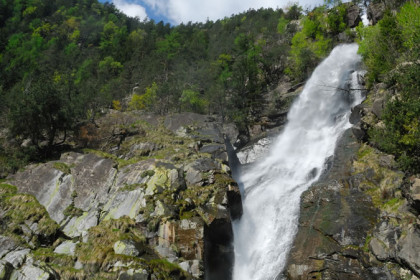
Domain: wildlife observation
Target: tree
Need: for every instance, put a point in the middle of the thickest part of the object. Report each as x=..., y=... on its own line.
x=144, y=101
x=192, y=101
x=41, y=108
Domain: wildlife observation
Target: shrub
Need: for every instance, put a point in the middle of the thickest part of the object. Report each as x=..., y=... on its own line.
x=146, y=100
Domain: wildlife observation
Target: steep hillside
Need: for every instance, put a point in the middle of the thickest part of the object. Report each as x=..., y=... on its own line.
x=361, y=220
x=115, y=137
x=160, y=206
x=62, y=62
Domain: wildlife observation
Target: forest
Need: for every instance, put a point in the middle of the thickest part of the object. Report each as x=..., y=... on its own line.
x=63, y=63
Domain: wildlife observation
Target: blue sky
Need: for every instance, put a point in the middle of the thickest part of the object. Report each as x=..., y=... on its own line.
x=177, y=11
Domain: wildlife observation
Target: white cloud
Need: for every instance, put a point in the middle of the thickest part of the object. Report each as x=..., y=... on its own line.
x=131, y=9
x=178, y=11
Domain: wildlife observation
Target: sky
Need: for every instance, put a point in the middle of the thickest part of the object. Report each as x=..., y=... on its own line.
x=178, y=11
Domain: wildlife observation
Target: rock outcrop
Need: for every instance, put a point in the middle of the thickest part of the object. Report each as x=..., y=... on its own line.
x=156, y=201
x=375, y=12
x=353, y=15
x=361, y=220
x=277, y=104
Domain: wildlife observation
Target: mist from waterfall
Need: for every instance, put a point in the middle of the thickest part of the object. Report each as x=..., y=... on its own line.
x=272, y=187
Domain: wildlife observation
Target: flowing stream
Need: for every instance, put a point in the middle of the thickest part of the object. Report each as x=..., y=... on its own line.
x=271, y=188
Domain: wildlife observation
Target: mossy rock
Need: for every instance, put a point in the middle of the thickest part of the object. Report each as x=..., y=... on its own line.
x=99, y=249
x=147, y=173
x=73, y=211
x=23, y=209
x=47, y=255
x=62, y=167
x=132, y=187
x=165, y=270
x=378, y=179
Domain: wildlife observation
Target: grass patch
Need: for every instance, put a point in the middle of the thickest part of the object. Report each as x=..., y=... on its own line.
x=367, y=241
x=166, y=270
x=186, y=215
x=62, y=167
x=132, y=187
x=7, y=190
x=99, y=248
x=72, y=211
x=147, y=173
x=363, y=151
x=47, y=255
x=22, y=209
x=120, y=162
x=393, y=204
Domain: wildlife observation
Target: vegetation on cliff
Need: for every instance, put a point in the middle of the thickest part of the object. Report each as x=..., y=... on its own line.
x=391, y=54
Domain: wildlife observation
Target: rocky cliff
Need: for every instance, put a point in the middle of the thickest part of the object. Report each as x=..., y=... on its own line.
x=361, y=220
x=142, y=197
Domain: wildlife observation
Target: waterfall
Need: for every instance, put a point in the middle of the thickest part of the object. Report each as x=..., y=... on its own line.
x=273, y=186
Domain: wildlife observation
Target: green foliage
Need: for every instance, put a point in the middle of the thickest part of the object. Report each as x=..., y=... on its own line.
x=401, y=136
x=41, y=109
x=19, y=210
x=294, y=12
x=316, y=39
x=336, y=19
x=147, y=173
x=72, y=211
x=281, y=26
x=62, y=62
x=109, y=66
x=389, y=52
x=409, y=21
x=382, y=45
x=62, y=167
x=166, y=270
x=306, y=54
x=192, y=101
x=146, y=100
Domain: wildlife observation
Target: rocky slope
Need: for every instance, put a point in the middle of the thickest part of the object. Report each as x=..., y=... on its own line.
x=361, y=220
x=149, y=198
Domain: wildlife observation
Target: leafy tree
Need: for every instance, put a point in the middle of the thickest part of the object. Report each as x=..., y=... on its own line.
x=281, y=26
x=62, y=62
x=316, y=39
x=192, y=101
x=146, y=100
x=41, y=109
x=293, y=12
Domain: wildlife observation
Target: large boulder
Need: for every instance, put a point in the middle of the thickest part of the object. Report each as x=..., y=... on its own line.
x=30, y=272
x=409, y=250
x=375, y=12
x=126, y=247
x=413, y=194
x=353, y=15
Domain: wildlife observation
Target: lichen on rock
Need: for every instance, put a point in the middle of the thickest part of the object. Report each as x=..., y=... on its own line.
x=123, y=212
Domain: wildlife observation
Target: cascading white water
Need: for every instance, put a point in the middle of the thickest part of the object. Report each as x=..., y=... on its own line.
x=272, y=187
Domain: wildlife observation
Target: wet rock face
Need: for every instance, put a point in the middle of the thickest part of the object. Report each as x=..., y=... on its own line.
x=254, y=151
x=165, y=195
x=335, y=217
x=359, y=221
x=333, y=224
